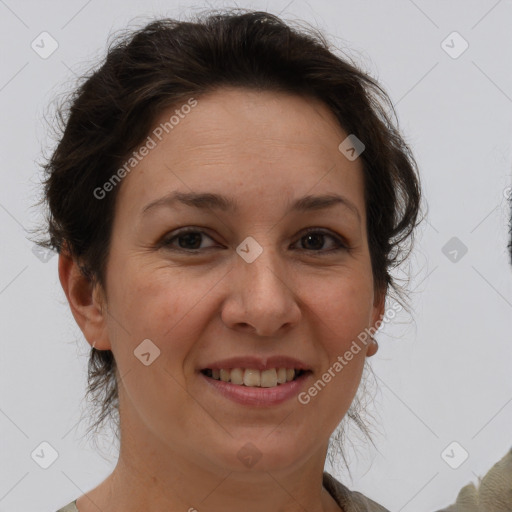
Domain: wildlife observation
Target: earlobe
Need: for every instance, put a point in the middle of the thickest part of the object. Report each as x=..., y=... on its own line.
x=372, y=348
x=85, y=301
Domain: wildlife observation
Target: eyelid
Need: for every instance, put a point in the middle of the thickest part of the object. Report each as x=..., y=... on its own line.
x=173, y=235
x=340, y=241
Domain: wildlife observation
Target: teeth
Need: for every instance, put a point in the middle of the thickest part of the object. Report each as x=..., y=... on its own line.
x=252, y=377
x=255, y=378
x=237, y=376
x=269, y=378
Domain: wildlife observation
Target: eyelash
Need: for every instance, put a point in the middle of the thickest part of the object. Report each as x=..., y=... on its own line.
x=341, y=244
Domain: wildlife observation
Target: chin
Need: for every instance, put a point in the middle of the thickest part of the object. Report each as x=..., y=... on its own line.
x=260, y=455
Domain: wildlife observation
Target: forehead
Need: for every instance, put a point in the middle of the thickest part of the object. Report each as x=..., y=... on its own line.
x=252, y=121
x=252, y=142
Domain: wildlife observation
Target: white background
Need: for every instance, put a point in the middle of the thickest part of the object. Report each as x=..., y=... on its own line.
x=443, y=375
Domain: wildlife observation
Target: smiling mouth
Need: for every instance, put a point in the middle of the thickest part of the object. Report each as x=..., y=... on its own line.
x=254, y=378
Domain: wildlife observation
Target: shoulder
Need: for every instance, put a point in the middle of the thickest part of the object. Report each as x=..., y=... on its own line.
x=494, y=490
x=70, y=507
x=351, y=501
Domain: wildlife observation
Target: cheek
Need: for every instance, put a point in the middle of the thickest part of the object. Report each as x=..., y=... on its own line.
x=165, y=309
x=343, y=308
x=162, y=305
x=342, y=311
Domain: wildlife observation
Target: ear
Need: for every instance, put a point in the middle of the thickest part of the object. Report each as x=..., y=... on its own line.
x=379, y=306
x=86, y=301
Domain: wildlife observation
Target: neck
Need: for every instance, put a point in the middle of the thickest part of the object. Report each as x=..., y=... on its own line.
x=151, y=476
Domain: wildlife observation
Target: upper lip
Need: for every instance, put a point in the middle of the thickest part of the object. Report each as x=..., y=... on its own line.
x=258, y=363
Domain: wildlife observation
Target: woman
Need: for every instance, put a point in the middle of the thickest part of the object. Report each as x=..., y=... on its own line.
x=227, y=199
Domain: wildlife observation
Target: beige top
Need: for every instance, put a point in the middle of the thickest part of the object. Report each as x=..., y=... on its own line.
x=348, y=501
x=492, y=494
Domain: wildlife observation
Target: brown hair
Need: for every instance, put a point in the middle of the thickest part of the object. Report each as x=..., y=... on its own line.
x=165, y=63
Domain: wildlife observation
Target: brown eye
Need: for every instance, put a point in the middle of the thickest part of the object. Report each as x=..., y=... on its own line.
x=315, y=239
x=187, y=240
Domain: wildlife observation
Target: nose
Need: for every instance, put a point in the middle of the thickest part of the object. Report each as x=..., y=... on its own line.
x=262, y=298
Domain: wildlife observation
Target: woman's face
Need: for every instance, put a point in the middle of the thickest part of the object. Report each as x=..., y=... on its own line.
x=246, y=282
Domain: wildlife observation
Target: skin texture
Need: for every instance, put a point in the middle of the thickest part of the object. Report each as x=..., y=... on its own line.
x=299, y=298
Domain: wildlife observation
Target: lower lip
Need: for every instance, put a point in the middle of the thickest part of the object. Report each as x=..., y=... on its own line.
x=259, y=397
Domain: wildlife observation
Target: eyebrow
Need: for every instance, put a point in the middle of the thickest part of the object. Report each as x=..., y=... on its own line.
x=207, y=200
